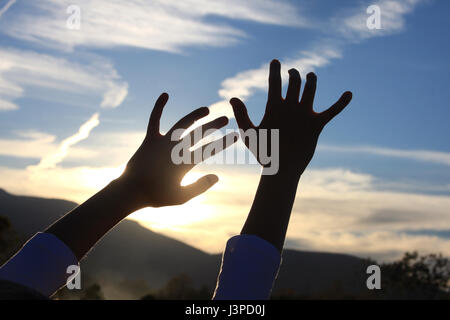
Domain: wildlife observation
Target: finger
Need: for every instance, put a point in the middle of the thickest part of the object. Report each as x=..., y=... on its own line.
x=274, y=82
x=293, y=91
x=212, y=148
x=336, y=108
x=241, y=114
x=153, y=123
x=208, y=128
x=198, y=187
x=189, y=120
x=310, y=91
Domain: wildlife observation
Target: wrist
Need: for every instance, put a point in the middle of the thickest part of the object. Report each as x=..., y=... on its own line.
x=284, y=174
x=128, y=194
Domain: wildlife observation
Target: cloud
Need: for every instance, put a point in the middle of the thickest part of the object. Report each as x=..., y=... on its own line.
x=6, y=105
x=51, y=160
x=336, y=209
x=158, y=25
x=6, y=7
x=29, y=144
x=20, y=70
x=437, y=157
x=392, y=216
x=33, y=144
x=47, y=178
x=354, y=23
x=244, y=84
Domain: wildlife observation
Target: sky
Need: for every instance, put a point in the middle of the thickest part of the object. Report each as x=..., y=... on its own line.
x=74, y=106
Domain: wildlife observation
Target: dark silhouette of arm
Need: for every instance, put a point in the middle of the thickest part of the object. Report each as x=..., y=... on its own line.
x=299, y=129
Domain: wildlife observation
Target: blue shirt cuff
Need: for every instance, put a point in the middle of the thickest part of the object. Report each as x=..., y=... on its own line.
x=249, y=268
x=41, y=264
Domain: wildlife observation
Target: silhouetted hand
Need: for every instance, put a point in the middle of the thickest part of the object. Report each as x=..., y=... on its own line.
x=299, y=126
x=152, y=176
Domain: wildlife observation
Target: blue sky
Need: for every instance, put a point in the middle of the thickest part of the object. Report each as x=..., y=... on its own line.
x=391, y=143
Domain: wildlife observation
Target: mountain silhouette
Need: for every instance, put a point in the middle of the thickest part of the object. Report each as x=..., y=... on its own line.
x=132, y=260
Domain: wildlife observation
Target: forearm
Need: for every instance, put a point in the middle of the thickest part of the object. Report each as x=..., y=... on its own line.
x=84, y=226
x=269, y=215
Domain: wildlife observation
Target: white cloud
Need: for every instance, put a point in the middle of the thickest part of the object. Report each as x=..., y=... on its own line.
x=30, y=144
x=6, y=7
x=20, y=70
x=354, y=23
x=6, y=105
x=246, y=83
x=160, y=25
x=47, y=178
x=51, y=160
x=336, y=210
x=418, y=155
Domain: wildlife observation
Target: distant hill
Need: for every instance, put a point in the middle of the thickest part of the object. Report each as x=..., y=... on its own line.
x=131, y=260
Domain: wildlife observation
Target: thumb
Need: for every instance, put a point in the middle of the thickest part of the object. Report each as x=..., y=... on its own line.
x=241, y=115
x=336, y=108
x=200, y=186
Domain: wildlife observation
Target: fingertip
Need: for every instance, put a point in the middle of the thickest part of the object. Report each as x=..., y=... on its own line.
x=275, y=62
x=347, y=96
x=293, y=72
x=311, y=76
x=235, y=101
x=223, y=120
x=212, y=179
x=275, y=65
x=164, y=96
x=204, y=111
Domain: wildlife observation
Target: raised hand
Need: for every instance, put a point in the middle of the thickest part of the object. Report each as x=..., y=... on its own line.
x=151, y=174
x=151, y=179
x=299, y=126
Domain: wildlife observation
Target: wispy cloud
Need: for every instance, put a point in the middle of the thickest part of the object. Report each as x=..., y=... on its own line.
x=159, y=25
x=6, y=7
x=30, y=144
x=352, y=24
x=21, y=69
x=418, y=155
x=246, y=83
x=335, y=210
x=51, y=160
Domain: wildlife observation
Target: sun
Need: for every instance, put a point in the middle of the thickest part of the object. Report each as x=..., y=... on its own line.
x=173, y=217
x=166, y=218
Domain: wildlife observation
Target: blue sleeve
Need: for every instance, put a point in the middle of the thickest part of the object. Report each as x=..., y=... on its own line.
x=249, y=268
x=41, y=264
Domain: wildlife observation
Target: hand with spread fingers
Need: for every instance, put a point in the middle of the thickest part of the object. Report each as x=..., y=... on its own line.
x=299, y=126
x=152, y=175
x=299, y=129
x=151, y=179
